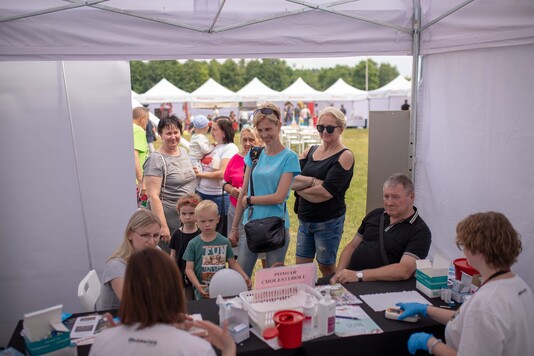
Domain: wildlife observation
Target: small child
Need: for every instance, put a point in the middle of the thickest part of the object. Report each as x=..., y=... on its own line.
x=199, y=145
x=185, y=233
x=208, y=252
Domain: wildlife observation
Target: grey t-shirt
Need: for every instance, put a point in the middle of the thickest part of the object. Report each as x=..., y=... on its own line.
x=181, y=179
x=115, y=268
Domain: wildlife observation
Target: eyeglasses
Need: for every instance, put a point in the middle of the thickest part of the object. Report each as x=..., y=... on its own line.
x=148, y=237
x=329, y=129
x=266, y=111
x=460, y=246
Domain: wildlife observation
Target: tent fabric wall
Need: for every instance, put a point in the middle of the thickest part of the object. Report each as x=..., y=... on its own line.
x=67, y=187
x=475, y=149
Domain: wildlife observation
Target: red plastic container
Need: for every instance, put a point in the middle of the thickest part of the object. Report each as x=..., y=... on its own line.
x=461, y=265
x=288, y=328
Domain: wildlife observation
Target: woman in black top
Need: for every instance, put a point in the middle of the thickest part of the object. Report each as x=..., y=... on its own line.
x=327, y=170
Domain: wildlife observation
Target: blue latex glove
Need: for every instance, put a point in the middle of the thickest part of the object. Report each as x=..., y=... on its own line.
x=418, y=341
x=412, y=309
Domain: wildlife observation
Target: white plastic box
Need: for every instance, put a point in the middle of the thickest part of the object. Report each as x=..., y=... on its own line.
x=263, y=303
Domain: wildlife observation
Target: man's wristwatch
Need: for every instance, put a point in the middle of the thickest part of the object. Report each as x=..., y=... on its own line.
x=359, y=274
x=249, y=203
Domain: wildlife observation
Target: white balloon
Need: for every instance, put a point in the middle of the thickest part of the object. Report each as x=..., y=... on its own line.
x=227, y=282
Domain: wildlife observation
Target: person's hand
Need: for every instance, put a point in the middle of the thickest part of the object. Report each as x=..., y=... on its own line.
x=204, y=291
x=108, y=318
x=217, y=336
x=165, y=234
x=249, y=283
x=411, y=309
x=234, y=237
x=344, y=276
x=418, y=341
x=235, y=192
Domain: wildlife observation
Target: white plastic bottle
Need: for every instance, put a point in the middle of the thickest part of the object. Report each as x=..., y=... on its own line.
x=309, y=318
x=326, y=315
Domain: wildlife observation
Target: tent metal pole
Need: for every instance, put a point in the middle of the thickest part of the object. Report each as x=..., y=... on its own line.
x=75, y=151
x=416, y=42
x=73, y=5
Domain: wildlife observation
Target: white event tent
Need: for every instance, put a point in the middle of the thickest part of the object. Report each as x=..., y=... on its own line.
x=353, y=99
x=256, y=91
x=164, y=92
x=299, y=90
x=212, y=93
x=69, y=191
x=391, y=96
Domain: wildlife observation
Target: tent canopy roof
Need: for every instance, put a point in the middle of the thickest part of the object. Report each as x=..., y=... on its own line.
x=256, y=90
x=166, y=29
x=164, y=91
x=340, y=90
x=397, y=87
x=301, y=91
x=213, y=92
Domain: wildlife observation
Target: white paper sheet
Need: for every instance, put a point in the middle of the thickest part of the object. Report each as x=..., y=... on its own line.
x=382, y=301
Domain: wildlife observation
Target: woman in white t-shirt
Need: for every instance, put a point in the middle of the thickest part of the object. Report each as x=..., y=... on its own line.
x=214, y=164
x=153, y=315
x=499, y=318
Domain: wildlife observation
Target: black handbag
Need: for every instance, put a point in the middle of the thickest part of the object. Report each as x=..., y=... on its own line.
x=222, y=225
x=266, y=234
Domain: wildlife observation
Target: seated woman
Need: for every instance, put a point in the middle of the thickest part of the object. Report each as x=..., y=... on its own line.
x=143, y=230
x=499, y=318
x=153, y=314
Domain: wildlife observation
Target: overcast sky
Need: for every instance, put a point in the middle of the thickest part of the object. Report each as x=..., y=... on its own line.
x=403, y=63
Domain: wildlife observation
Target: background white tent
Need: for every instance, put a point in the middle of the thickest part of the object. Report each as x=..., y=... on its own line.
x=353, y=99
x=164, y=92
x=258, y=92
x=299, y=90
x=391, y=96
x=212, y=94
x=474, y=126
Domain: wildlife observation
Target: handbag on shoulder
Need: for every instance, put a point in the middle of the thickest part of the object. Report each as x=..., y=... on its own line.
x=265, y=234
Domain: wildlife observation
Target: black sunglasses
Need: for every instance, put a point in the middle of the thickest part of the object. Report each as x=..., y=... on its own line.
x=329, y=129
x=267, y=111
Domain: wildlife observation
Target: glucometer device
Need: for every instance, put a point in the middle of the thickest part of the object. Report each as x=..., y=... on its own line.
x=394, y=313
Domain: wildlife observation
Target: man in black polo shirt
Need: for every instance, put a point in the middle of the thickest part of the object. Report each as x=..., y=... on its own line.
x=406, y=239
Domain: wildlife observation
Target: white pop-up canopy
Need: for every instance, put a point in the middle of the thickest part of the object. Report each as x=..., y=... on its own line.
x=397, y=87
x=474, y=133
x=299, y=90
x=257, y=91
x=164, y=92
x=341, y=91
x=213, y=93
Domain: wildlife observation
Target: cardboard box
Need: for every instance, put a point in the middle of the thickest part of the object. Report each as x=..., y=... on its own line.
x=431, y=277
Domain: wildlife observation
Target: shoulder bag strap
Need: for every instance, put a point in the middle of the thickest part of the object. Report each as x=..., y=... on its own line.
x=164, y=180
x=382, y=248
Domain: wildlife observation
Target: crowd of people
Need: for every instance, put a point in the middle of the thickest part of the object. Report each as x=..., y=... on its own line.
x=190, y=193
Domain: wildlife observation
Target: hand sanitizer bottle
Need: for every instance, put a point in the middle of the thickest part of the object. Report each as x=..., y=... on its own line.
x=326, y=314
x=309, y=318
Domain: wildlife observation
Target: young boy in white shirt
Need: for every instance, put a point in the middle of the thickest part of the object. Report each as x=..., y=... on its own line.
x=208, y=253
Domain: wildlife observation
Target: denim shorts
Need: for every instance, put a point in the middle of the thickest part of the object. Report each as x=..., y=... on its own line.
x=320, y=240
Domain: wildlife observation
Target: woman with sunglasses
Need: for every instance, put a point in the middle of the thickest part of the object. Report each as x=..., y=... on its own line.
x=499, y=318
x=143, y=230
x=272, y=177
x=327, y=170
x=214, y=164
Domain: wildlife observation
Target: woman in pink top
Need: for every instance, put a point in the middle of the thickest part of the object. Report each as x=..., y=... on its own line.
x=233, y=177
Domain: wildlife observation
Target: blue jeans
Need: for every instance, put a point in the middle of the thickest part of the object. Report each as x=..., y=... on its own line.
x=247, y=259
x=217, y=199
x=320, y=240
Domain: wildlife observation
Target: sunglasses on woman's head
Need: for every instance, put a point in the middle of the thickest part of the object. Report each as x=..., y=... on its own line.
x=267, y=111
x=330, y=129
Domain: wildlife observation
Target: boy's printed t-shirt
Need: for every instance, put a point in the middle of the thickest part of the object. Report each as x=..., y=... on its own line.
x=208, y=257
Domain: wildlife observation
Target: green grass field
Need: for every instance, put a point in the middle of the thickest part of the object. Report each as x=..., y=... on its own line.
x=357, y=141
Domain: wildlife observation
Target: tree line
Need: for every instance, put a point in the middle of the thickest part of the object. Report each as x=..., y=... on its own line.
x=275, y=73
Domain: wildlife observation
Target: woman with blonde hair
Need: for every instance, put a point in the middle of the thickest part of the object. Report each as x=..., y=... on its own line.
x=272, y=176
x=143, y=230
x=153, y=314
x=327, y=171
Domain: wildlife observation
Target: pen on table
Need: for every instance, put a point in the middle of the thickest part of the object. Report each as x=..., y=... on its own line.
x=347, y=317
x=445, y=306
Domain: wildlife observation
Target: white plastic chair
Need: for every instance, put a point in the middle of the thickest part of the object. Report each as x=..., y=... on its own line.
x=227, y=283
x=89, y=290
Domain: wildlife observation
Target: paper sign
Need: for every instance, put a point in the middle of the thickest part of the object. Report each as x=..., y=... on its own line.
x=305, y=273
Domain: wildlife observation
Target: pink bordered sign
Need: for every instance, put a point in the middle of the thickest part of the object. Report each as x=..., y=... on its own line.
x=305, y=273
